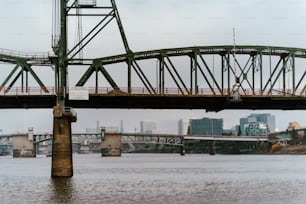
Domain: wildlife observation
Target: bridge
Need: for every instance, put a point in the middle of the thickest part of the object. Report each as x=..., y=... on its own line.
x=96, y=139
x=200, y=77
x=229, y=138
x=210, y=88
x=141, y=137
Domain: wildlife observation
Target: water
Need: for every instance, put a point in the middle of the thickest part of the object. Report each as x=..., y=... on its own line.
x=158, y=178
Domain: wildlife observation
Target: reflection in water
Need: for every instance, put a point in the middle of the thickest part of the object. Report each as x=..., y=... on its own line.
x=61, y=190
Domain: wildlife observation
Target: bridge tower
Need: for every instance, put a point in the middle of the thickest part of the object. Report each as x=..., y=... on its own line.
x=62, y=164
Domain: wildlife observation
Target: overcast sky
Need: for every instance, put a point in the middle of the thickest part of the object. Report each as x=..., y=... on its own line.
x=155, y=24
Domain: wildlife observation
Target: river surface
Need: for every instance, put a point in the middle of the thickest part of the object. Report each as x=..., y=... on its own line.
x=157, y=179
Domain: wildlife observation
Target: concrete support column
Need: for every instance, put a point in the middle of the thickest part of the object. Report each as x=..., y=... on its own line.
x=183, y=151
x=110, y=144
x=212, y=147
x=23, y=146
x=62, y=165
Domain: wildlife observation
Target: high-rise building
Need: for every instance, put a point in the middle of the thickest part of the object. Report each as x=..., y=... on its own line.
x=265, y=123
x=183, y=126
x=243, y=122
x=206, y=126
x=148, y=127
x=268, y=119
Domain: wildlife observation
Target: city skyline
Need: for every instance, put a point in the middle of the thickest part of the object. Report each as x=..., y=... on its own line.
x=131, y=121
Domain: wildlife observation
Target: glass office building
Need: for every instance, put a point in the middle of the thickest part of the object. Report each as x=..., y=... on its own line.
x=206, y=126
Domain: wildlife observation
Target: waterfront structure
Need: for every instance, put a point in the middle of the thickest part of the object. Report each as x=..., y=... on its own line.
x=148, y=127
x=183, y=126
x=262, y=124
x=206, y=126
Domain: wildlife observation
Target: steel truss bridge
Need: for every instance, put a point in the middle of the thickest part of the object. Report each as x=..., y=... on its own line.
x=131, y=139
x=200, y=77
x=207, y=77
x=165, y=139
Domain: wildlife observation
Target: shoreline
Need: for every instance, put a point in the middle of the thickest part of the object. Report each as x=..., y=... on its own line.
x=293, y=149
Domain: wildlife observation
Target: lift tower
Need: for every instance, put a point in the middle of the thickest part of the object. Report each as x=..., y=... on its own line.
x=62, y=165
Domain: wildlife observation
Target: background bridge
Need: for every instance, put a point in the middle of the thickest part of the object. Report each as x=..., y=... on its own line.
x=93, y=142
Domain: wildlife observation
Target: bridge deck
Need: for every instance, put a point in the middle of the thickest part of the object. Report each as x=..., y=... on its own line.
x=208, y=102
x=230, y=138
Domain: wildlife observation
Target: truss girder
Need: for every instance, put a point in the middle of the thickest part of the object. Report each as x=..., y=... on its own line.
x=174, y=140
x=256, y=73
x=285, y=76
x=24, y=67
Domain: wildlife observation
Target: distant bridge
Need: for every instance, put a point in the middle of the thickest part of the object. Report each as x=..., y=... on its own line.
x=95, y=140
x=229, y=138
x=147, y=138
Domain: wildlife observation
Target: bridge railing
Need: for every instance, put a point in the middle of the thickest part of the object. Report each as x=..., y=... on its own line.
x=32, y=91
x=200, y=91
x=26, y=55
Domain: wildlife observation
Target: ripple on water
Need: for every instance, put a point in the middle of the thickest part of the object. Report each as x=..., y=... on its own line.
x=157, y=179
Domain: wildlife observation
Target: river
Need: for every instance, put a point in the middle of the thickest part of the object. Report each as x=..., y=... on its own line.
x=157, y=179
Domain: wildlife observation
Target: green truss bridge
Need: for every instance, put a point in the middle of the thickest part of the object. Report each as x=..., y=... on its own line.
x=202, y=77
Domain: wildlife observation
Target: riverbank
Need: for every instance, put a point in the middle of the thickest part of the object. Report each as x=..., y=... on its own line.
x=296, y=149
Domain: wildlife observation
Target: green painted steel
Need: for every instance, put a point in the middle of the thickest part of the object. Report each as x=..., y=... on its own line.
x=245, y=75
x=257, y=75
x=246, y=71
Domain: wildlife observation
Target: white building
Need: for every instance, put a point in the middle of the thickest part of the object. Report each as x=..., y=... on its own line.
x=183, y=126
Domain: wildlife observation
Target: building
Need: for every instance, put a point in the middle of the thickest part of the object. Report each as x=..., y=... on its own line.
x=148, y=127
x=256, y=128
x=183, y=126
x=243, y=123
x=206, y=126
x=268, y=119
x=256, y=124
x=98, y=128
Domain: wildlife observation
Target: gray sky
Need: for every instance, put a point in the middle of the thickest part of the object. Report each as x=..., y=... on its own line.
x=155, y=24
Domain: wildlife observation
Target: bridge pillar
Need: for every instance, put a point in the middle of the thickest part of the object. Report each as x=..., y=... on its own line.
x=23, y=145
x=183, y=151
x=212, y=147
x=110, y=145
x=62, y=142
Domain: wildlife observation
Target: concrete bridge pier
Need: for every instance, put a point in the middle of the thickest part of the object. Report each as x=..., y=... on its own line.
x=62, y=165
x=110, y=144
x=23, y=145
x=212, y=147
x=183, y=151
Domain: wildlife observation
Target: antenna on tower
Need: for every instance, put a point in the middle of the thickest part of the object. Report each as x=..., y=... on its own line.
x=55, y=25
x=235, y=90
x=79, y=28
x=234, y=49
